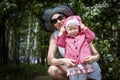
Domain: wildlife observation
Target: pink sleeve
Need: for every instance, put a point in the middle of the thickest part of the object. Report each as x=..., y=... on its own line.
x=89, y=35
x=61, y=41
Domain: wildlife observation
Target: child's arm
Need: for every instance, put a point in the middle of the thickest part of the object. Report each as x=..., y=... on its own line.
x=61, y=41
x=61, y=38
x=89, y=35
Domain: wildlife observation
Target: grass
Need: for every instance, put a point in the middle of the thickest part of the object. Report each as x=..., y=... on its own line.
x=23, y=72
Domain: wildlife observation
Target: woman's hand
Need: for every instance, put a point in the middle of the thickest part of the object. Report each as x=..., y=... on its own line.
x=69, y=62
x=89, y=59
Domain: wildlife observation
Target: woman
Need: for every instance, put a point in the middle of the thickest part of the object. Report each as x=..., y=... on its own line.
x=53, y=21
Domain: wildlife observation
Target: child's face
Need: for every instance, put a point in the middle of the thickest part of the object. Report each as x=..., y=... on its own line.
x=72, y=30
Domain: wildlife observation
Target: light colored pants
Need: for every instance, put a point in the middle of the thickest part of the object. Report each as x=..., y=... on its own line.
x=78, y=77
x=96, y=74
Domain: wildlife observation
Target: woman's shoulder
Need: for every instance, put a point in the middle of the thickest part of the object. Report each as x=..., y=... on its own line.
x=55, y=33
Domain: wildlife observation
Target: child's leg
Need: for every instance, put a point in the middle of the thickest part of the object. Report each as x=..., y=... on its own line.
x=82, y=76
x=78, y=77
x=89, y=68
x=96, y=74
x=74, y=77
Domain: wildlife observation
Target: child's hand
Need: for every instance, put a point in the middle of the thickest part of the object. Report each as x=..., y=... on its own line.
x=82, y=26
x=69, y=62
x=62, y=30
x=89, y=59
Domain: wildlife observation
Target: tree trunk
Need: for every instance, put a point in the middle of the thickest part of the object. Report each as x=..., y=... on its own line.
x=3, y=42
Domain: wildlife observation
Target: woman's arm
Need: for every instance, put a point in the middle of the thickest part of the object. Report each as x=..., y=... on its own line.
x=52, y=51
x=95, y=55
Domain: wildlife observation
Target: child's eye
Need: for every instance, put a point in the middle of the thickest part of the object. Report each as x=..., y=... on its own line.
x=69, y=29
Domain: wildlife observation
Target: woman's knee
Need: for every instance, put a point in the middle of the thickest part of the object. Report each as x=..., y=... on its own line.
x=56, y=73
x=52, y=71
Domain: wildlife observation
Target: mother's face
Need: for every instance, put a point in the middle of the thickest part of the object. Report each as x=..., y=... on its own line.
x=57, y=20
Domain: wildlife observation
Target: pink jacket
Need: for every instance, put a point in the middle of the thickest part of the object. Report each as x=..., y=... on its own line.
x=77, y=47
